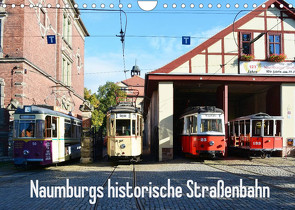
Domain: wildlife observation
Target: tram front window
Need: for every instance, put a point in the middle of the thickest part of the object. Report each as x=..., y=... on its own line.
x=123, y=128
x=208, y=125
x=26, y=128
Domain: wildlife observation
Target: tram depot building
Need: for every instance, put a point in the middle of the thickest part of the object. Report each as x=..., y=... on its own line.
x=242, y=70
x=33, y=71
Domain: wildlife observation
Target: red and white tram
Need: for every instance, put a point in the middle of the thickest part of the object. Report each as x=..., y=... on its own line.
x=203, y=131
x=258, y=134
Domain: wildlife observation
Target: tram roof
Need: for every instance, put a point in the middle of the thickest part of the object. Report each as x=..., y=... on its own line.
x=42, y=110
x=123, y=109
x=259, y=116
x=201, y=109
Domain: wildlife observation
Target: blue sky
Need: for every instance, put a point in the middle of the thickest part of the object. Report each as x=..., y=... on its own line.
x=153, y=38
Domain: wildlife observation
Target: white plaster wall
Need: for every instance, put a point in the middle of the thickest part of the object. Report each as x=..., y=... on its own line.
x=215, y=48
x=289, y=46
x=184, y=68
x=165, y=116
x=255, y=23
x=231, y=66
x=198, y=64
x=229, y=43
x=289, y=24
x=273, y=24
x=214, y=62
x=259, y=47
x=288, y=105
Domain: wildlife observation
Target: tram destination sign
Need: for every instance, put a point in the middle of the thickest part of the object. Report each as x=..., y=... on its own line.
x=263, y=67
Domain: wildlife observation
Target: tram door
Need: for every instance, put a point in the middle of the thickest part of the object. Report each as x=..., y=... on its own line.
x=56, y=132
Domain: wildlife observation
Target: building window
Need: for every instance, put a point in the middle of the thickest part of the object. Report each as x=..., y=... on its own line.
x=67, y=29
x=1, y=93
x=1, y=49
x=246, y=46
x=66, y=72
x=274, y=42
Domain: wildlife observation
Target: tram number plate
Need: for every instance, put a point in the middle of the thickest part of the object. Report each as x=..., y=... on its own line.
x=203, y=139
x=123, y=116
x=256, y=143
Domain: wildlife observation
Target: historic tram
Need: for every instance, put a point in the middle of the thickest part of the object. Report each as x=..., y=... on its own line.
x=124, y=132
x=203, y=131
x=257, y=134
x=43, y=136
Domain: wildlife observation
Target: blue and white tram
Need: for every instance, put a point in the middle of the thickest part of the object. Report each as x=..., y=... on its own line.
x=43, y=136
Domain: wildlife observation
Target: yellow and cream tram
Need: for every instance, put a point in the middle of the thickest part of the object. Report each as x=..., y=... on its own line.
x=124, y=133
x=44, y=136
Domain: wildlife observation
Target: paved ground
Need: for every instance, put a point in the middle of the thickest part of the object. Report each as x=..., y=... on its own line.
x=276, y=173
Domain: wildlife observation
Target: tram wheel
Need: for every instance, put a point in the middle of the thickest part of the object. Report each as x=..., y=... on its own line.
x=263, y=155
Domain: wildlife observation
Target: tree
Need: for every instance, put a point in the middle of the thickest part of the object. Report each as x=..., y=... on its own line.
x=104, y=99
x=95, y=102
x=107, y=95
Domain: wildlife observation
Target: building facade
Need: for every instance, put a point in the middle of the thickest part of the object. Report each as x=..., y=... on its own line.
x=33, y=71
x=236, y=70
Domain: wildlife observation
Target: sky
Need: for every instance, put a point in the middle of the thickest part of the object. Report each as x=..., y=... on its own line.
x=152, y=38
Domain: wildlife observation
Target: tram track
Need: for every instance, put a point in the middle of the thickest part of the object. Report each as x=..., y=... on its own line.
x=138, y=203
x=249, y=176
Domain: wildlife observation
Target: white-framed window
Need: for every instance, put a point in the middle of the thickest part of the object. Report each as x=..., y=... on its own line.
x=66, y=71
x=67, y=29
x=1, y=93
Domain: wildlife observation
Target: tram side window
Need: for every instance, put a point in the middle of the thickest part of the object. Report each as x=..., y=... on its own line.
x=54, y=126
x=133, y=127
x=247, y=127
x=242, y=128
x=268, y=128
x=256, y=127
x=278, y=127
x=138, y=126
x=47, y=131
x=26, y=128
x=67, y=129
x=112, y=127
x=73, y=130
x=15, y=131
x=78, y=130
x=236, y=123
x=186, y=126
x=123, y=127
x=231, y=129
x=194, y=124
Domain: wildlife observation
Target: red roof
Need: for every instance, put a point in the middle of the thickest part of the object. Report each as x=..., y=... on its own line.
x=135, y=82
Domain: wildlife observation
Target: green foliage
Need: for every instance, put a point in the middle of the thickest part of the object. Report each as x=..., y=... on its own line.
x=102, y=101
x=107, y=95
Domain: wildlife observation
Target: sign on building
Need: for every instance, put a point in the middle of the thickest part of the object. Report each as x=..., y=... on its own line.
x=51, y=39
x=264, y=67
x=186, y=40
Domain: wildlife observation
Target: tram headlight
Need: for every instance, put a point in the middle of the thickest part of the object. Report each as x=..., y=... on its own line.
x=122, y=146
x=26, y=152
x=211, y=143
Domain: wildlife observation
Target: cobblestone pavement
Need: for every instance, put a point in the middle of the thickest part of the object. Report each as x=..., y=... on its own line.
x=276, y=173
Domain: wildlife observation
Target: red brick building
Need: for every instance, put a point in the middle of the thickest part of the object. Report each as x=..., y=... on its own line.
x=33, y=71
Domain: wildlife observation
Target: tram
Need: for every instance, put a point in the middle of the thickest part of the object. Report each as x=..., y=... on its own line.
x=124, y=132
x=257, y=134
x=43, y=136
x=203, y=131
